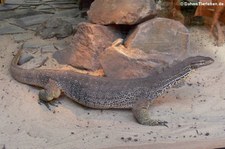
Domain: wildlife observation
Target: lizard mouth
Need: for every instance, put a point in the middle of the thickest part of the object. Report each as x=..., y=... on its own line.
x=203, y=62
x=208, y=61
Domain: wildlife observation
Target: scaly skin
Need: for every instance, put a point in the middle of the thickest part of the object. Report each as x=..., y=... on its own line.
x=107, y=93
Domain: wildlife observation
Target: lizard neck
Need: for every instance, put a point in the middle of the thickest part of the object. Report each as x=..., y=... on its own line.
x=167, y=79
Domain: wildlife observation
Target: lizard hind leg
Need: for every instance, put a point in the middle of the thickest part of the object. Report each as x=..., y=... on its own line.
x=50, y=92
x=141, y=113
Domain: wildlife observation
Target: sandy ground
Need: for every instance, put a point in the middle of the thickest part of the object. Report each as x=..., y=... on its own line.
x=195, y=112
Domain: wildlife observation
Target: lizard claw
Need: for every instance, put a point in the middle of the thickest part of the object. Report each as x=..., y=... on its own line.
x=45, y=103
x=48, y=104
x=163, y=123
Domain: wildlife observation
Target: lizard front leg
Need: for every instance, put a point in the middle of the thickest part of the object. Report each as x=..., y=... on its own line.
x=141, y=113
x=50, y=92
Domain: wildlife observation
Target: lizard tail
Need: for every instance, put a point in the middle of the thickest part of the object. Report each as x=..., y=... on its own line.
x=16, y=59
x=27, y=76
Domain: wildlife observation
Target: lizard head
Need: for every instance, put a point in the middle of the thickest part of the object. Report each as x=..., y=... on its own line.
x=199, y=61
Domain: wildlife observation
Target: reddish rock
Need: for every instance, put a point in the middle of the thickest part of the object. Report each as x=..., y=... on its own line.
x=121, y=11
x=122, y=63
x=161, y=36
x=170, y=9
x=88, y=42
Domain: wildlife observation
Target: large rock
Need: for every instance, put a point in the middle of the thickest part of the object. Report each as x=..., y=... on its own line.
x=88, y=42
x=161, y=36
x=170, y=9
x=54, y=27
x=122, y=63
x=121, y=11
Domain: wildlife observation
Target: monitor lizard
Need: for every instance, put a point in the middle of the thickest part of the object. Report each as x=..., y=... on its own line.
x=104, y=92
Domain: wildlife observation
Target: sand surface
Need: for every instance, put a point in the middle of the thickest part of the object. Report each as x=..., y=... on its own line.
x=195, y=112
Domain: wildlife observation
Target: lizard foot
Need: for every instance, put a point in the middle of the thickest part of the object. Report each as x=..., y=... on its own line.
x=48, y=104
x=141, y=113
x=50, y=92
x=43, y=95
x=143, y=118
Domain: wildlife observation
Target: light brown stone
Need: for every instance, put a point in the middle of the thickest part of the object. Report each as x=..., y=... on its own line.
x=122, y=63
x=88, y=42
x=121, y=11
x=161, y=36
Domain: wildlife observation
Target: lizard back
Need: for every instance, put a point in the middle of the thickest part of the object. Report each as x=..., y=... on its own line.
x=104, y=92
